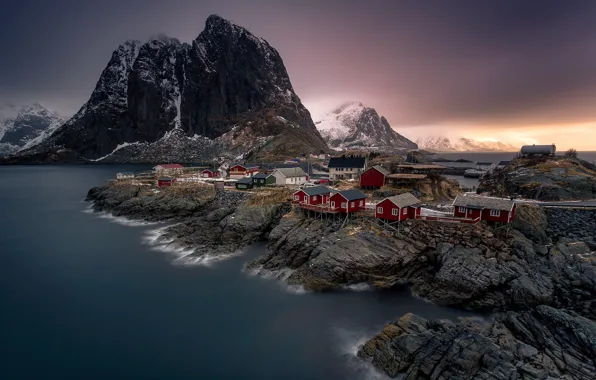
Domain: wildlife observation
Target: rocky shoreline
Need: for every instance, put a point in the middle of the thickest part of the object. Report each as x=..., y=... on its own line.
x=539, y=276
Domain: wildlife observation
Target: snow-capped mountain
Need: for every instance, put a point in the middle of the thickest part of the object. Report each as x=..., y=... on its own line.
x=22, y=127
x=444, y=144
x=355, y=126
x=227, y=92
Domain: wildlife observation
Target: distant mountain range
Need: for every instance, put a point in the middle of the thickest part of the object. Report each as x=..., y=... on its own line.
x=227, y=93
x=355, y=126
x=444, y=144
x=22, y=127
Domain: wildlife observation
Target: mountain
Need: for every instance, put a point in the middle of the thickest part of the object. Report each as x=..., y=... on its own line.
x=226, y=93
x=354, y=125
x=444, y=144
x=26, y=126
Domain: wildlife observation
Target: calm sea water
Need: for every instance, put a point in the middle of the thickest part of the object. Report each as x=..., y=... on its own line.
x=83, y=297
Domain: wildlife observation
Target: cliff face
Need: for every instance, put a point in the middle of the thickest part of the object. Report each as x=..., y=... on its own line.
x=227, y=86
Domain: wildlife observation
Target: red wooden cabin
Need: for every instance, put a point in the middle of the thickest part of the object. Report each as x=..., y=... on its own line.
x=348, y=201
x=373, y=178
x=165, y=181
x=399, y=207
x=243, y=171
x=207, y=173
x=490, y=209
x=312, y=195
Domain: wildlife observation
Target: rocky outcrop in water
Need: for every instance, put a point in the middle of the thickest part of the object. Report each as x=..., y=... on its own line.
x=555, y=178
x=228, y=89
x=542, y=343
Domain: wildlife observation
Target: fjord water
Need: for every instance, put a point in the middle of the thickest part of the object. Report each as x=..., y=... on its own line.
x=83, y=297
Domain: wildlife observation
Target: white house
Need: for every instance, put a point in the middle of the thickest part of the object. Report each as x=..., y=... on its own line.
x=125, y=175
x=346, y=167
x=289, y=176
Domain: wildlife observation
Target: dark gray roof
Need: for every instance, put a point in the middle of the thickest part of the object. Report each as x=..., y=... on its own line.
x=477, y=201
x=316, y=190
x=246, y=180
x=404, y=200
x=484, y=163
x=504, y=163
x=347, y=162
x=380, y=169
x=292, y=172
x=166, y=179
x=352, y=194
x=260, y=176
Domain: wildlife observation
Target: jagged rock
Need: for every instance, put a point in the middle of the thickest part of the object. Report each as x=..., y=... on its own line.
x=227, y=93
x=542, y=343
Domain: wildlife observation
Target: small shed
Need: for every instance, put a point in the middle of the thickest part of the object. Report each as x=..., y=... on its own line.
x=126, y=175
x=262, y=179
x=244, y=183
x=312, y=195
x=165, y=181
x=208, y=173
x=348, y=201
x=399, y=207
x=538, y=150
x=374, y=177
x=490, y=209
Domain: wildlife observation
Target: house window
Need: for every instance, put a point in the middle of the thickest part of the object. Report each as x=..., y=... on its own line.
x=352, y=204
x=404, y=211
x=314, y=198
x=361, y=203
x=395, y=212
x=296, y=197
x=462, y=209
x=495, y=212
x=379, y=210
x=262, y=181
x=332, y=204
x=344, y=204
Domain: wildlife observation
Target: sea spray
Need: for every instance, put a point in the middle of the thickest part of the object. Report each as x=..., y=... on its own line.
x=280, y=276
x=349, y=341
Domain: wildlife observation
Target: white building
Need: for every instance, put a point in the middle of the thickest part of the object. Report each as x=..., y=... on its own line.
x=125, y=175
x=346, y=167
x=289, y=176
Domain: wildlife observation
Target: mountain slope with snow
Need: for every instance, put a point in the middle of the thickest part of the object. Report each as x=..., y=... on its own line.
x=26, y=126
x=444, y=144
x=355, y=126
x=225, y=80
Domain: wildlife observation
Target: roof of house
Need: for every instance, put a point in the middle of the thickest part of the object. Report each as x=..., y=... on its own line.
x=291, y=172
x=380, y=169
x=316, y=190
x=261, y=176
x=404, y=200
x=245, y=180
x=477, y=201
x=421, y=166
x=352, y=194
x=210, y=170
x=166, y=179
x=406, y=176
x=504, y=163
x=170, y=166
x=346, y=162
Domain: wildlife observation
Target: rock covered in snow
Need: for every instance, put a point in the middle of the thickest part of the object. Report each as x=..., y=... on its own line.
x=444, y=144
x=354, y=125
x=226, y=81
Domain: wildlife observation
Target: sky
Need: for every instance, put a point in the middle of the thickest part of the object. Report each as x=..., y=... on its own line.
x=518, y=71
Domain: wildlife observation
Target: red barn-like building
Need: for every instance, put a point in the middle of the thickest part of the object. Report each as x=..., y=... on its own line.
x=399, y=207
x=239, y=171
x=373, y=178
x=348, y=201
x=494, y=210
x=165, y=181
x=312, y=195
x=207, y=173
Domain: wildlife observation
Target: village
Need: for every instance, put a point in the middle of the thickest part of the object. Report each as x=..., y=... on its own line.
x=351, y=188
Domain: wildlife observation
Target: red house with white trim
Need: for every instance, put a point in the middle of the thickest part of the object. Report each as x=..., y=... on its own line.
x=240, y=171
x=207, y=173
x=165, y=181
x=490, y=209
x=348, y=201
x=315, y=195
x=399, y=207
x=373, y=178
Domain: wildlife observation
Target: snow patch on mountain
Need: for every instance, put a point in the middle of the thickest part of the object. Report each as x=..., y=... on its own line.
x=444, y=144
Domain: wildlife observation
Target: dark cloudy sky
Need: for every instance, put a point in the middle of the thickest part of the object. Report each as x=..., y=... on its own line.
x=516, y=70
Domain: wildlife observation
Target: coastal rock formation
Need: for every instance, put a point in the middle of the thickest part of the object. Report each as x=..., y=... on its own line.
x=228, y=90
x=469, y=266
x=543, y=178
x=355, y=126
x=542, y=343
x=571, y=225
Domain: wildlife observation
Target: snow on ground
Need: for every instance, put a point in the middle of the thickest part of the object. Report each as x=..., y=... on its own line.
x=120, y=146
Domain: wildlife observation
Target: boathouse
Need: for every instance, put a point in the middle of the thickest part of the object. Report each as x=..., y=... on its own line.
x=312, y=195
x=208, y=173
x=399, y=207
x=244, y=183
x=373, y=178
x=490, y=209
x=165, y=181
x=168, y=169
x=241, y=171
x=289, y=176
x=262, y=179
x=348, y=201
